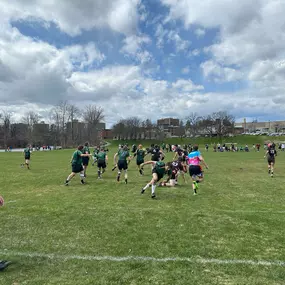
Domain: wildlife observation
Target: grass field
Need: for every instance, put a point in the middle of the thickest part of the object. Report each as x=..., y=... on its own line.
x=103, y=232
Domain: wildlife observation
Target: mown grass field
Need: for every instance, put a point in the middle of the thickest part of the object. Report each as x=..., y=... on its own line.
x=76, y=234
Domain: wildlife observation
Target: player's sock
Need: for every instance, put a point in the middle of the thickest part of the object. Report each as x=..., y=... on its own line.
x=153, y=186
x=269, y=170
x=195, y=188
x=99, y=173
x=118, y=177
x=146, y=186
x=82, y=178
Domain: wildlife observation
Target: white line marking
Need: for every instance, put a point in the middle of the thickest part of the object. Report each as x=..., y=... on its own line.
x=14, y=201
x=144, y=258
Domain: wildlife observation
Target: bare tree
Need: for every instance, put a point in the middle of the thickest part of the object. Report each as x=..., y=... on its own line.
x=30, y=119
x=192, y=124
x=60, y=115
x=149, y=128
x=181, y=129
x=5, y=117
x=206, y=125
x=74, y=133
x=224, y=123
x=92, y=116
x=119, y=130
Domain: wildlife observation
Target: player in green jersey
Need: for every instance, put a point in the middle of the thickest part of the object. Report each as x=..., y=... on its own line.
x=140, y=154
x=76, y=164
x=124, y=157
x=95, y=152
x=85, y=159
x=158, y=171
x=27, y=155
x=102, y=159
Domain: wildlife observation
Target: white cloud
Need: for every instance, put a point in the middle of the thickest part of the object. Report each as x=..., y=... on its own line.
x=186, y=86
x=249, y=46
x=134, y=46
x=180, y=44
x=200, y=33
x=213, y=70
x=173, y=36
x=74, y=16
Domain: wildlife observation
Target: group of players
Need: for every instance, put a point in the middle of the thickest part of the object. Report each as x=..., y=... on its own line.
x=182, y=162
x=185, y=159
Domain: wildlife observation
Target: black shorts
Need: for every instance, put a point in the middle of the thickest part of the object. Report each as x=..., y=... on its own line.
x=195, y=170
x=85, y=160
x=76, y=168
x=155, y=158
x=122, y=164
x=270, y=160
x=139, y=162
x=27, y=157
x=101, y=164
x=159, y=176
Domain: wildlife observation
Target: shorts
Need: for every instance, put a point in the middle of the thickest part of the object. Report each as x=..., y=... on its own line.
x=27, y=157
x=139, y=162
x=101, y=164
x=76, y=168
x=85, y=160
x=271, y=160
x=159, y=175
x=195, y=170
x=155, y=158
x=122, y=164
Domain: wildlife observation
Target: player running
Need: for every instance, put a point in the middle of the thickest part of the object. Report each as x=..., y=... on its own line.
x=85, y=159
x=27, y=155
x=76, y=165
x=122, y=164
x=194, y=160
x=156, y=153
x=102, y=159
x=140, y=154
x=271, y=153
x=158, y=171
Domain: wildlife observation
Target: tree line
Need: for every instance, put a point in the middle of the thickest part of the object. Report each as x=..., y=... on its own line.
x=216, y=124
x=67, y=125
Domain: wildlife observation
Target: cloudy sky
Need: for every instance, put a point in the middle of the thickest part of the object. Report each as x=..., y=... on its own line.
x=149, y=58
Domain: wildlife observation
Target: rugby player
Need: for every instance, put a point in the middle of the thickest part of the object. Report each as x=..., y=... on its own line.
x=140, y=154
x=158, y=171
x=27, y=155
x=76, y=165
x=194, y=160
x=122, y=164
x=102, y=159
x=85, y=159
x=271, y=153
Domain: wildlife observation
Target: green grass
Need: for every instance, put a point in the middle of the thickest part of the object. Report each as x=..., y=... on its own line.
x=238, y=214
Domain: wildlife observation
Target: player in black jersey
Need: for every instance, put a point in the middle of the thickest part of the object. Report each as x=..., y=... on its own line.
x=271, y=153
